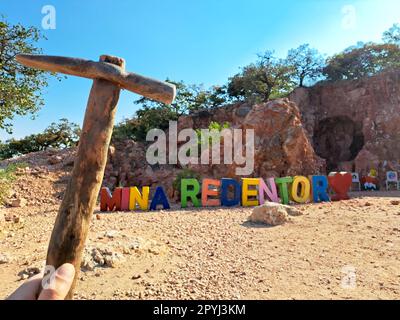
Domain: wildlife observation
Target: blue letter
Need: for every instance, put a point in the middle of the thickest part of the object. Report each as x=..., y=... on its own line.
x=159, y=198
x=319, y=189
x=225, y=183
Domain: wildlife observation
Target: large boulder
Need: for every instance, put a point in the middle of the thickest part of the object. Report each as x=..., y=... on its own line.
x=273, y=214
x=281, y=143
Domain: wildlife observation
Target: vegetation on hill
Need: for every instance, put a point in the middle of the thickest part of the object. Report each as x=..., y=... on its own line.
x=362, y=61
x=267, y=78
x=63, y=134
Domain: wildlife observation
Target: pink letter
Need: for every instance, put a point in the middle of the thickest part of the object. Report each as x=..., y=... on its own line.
x=125, y=199
x=272, y=194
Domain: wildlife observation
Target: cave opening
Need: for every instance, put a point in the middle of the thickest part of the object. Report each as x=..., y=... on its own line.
x=338, y=139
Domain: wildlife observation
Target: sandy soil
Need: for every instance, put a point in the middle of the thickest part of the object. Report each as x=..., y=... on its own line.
x=217, y=254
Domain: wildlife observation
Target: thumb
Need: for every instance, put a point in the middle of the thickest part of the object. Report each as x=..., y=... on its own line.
x=60, y=283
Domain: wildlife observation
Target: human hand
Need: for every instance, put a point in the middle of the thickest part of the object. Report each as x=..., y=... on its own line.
x=32, y=289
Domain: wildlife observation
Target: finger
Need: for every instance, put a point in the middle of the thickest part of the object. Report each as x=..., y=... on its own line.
x=61, y=284
x=29, y=290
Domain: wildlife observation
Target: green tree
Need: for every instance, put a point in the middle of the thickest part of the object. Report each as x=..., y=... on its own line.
x=189, y=98
x=362, y=61
x=19, y=86
x=392, y=35
x=267, y=78
x=307, y=64
x=63, y=134
x=153, y=114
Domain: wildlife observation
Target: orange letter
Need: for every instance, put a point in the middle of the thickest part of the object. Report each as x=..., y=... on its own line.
x=206, y=192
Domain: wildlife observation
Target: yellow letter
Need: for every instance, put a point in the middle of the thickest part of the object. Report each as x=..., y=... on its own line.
x=246, y=192
x=137, y=198
x=305, y=189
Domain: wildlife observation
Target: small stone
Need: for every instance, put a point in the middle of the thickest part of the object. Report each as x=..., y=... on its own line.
x=55, y=159
x=136, y=276
x=24, y=276
x=17, y=203
x=87, y=264
x=4, y=259
x=113, y=260
x=98, y=217
x=368, y=204
x=395, y=202
x=111, y=234
x=97, y=257
x=29, y=272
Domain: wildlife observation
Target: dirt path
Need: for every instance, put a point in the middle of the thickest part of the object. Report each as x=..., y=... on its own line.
x=216, y=254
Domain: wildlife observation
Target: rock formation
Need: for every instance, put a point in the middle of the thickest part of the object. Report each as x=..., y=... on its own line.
x=281, y=147
x=354, y=125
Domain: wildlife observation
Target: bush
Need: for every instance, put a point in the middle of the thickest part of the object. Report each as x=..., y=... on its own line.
x=213, y=126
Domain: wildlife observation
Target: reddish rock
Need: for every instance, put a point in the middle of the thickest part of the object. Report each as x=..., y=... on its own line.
x=281, y=147
x=354, y=124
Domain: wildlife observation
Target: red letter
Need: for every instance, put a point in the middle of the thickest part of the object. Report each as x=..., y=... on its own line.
x=110, y=202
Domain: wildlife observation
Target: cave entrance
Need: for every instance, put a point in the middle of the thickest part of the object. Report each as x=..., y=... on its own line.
x=338, y=139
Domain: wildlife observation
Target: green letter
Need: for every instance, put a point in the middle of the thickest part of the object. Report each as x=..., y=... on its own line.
x=185, y=193
x=283, y=188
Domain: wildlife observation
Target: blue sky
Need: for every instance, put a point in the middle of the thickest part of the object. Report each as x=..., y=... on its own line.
x=198, y=41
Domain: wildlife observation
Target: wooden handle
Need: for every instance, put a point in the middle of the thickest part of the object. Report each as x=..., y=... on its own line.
x=72, y=223
x=147, y=87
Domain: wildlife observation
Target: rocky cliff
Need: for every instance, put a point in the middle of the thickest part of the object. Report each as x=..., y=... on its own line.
x=354, y=125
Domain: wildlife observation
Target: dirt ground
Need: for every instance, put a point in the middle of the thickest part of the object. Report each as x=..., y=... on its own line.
x=343, y=250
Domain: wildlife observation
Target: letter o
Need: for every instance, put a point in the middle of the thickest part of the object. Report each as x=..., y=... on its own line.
x=305, y=189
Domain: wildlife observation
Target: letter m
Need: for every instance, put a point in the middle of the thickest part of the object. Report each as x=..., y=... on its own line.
x=110, y=202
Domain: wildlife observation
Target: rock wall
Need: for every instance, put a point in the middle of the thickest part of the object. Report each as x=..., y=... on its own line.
x=354, y=125
x=281, y=147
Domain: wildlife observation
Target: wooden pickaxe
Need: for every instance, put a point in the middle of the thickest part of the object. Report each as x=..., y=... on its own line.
x=72, y=223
